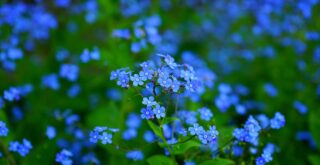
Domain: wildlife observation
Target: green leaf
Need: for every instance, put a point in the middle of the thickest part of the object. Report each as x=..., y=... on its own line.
x=218, y=161
x=160, y=160
x=314, y=123
x=156, y=129
x=184, y=147
x=314, y=159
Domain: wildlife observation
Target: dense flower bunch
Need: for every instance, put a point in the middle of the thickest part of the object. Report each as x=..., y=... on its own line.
x=99, y=133
x=22, y=148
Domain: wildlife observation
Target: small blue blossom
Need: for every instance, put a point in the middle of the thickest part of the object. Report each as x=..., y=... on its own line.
x=165, y=81
x=136, y=79
x=123, y=79
x=159, y=111
x=3, y=129
x=133, y=121
x=64, y=157
x=129, y=134
x=22, y=148
x=278, y=121
x=51, y=81
x=12, y=94
x=205, y=113
x=69, y=71
x=147, y=113
x=195, y=129
x=146, y=74
x=51, y=132
x=149, y=136
x=149, y=101
x=175, y=85
x=302, y=109
x=105, y=138
x=135, y=155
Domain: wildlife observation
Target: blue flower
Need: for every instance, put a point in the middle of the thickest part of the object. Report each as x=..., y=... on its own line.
x=149, y=101
x=105, y=138
x=123, y=79
x=129, y=134
x=64, y=157
x=302, y=109
x=204, y=137
x=205, y=114
x=3, y=129
x=69, y=71
x=146, y=74
x=169, y=61
x=114, y=74
x=135, y=155
x=149, y=136
x=94, y=136
x=159, y=111
x=260, y=161
x=133, y=121
x=11, y=94
x=278, y=121
x=249, y=133
x=22, y=148
x=136, y=79
x=51, y=132
x=175, y=85
x=147, y=113
x=165, y=82
x=51, y=81
x=195, y=129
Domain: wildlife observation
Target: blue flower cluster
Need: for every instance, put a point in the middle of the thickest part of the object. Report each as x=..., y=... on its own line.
x=22, y=148
x=64, y=157
x=100, y=133
x=250, y=132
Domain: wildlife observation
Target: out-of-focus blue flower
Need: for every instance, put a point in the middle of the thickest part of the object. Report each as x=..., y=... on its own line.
x=149, y=136
x=17, y=113
x=12, y=94
x=240, y=109
x=129, y=134
x=62, y=3
x=270, y=90
x=121, y=33
x=51, y=81
x=264, y=120
x=87, y=56
x=278, y=121
x=237, y=150
x=100, y=133
x=3, y=129
x=51, y=132
x=74, y=90
x=306, y=136
x=1, y=102
x=205, y=113
x=64, y=157
x=22, y=148
x=69, y=71
x=135, y=155
x=133, y=121
x=149, y=101
x=302, y=109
